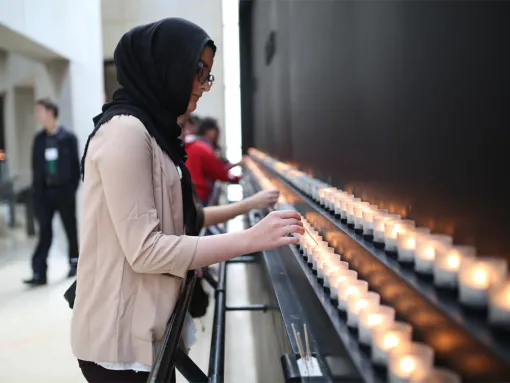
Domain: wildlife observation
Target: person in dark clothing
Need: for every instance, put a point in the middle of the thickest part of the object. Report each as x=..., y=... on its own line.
x=56, y=176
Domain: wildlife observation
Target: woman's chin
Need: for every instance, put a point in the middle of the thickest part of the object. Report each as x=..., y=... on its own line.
x=192, y=105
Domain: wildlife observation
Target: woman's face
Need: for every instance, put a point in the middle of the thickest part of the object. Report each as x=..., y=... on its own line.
x=203, y=78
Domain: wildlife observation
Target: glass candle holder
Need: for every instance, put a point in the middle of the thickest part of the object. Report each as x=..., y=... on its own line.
x=499, y=306
x=314, y=245
x=447, y=264
x=370, y=321
x=358, y=214
x=427, y=246
x=368, y=301
x=346, y=290
x=411, y=361
x=391, y=229
x=350, y=210
x=477, y=276
x=340, y=278
x=343, y=205
x=368, y=219
x=327, y=197
x=326, y=260
x=437, y=375
x=406, y=243
x=330, y=271
x=379, y=221
x=387, y=338
x=323, y=193
x=322, y=253
x=336, y=201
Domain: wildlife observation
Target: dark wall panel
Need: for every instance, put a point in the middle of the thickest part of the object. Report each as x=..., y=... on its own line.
x=406, y=102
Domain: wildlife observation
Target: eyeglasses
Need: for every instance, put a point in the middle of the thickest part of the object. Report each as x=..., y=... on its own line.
x=203, y=74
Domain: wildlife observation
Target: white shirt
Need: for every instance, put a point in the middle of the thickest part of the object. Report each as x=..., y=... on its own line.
x=188, y=337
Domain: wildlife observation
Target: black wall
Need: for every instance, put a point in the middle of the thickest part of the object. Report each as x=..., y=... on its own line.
x=406, y=102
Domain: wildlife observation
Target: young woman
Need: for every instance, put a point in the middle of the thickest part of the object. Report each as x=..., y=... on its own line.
x=138, y=237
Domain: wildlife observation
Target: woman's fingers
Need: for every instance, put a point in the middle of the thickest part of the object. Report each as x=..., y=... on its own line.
x=292, y=229
x=284, y=214
x=291, y=221
x=289, y=241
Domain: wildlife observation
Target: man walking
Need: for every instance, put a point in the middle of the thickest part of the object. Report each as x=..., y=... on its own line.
x=56, y=176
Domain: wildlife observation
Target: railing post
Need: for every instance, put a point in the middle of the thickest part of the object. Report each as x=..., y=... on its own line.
x=217, y=353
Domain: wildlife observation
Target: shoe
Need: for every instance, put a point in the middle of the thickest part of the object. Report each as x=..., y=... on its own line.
x=72, y=272
x=36, y=281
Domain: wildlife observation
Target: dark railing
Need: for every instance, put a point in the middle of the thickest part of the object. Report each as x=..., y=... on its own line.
x=163, y=370
x=171, y=356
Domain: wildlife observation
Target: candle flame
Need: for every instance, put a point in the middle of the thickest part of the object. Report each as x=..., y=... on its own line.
x=429, y=253
x=361, y=304
x=407, y=364
x=351, y=290
x=390, y=341
x=481, y=277
x=411, y=243
x=453, y=261
x=374, y=320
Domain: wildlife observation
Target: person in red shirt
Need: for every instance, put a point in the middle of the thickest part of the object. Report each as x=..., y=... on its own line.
x=203, y=163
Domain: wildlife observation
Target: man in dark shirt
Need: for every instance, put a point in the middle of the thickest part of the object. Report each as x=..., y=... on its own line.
x=56, y=176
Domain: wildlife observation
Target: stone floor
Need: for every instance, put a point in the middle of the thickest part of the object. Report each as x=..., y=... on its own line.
x=34, y=323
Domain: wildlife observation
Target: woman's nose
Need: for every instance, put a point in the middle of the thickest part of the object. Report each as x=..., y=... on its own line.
x=206, y=87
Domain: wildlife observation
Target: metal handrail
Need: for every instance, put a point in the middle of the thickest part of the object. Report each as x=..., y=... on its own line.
x=164, y=365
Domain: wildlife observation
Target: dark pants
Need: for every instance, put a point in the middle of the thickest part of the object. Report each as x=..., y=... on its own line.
x=62, y=201
x=94, y=373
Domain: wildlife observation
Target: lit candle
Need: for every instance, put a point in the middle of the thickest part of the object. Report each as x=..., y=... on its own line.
x=314, y=246
x=406, y=243
x=477, y=276
x=379, y=221
x=391, y=228
x=343, y=206
x=427, y=246
x=346, y=290
x=411, y=361
x=367, y=301
x=447, y=265
x=340, y=278
x=387, y=338
x=325, y=194
x=438, y=375
x=368, y=219
x=322, y=254
x=330, y=270
x=339, y=196
x=499, y=306
x=327, y=261
x=359, y=209
x=350, y=210
x=370, y=321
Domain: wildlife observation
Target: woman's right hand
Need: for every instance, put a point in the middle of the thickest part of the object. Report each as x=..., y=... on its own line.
x=264, y=199
x=273, y=230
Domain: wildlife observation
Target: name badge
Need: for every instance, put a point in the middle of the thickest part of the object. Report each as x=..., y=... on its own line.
x=51, y=154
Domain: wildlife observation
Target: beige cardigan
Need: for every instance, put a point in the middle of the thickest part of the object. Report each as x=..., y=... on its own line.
x=133, y=254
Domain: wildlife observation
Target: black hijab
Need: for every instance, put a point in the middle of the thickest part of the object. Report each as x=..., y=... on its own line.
x=156, y=66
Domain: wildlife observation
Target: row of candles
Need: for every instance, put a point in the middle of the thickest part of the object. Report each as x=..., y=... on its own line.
x=482, y=282
x=390, y=341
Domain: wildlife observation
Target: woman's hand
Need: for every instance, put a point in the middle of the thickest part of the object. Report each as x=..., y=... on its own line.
x=273, y=230
x=264, y=199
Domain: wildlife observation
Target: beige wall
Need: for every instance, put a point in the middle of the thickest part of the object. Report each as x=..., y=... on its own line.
x=121, y=15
